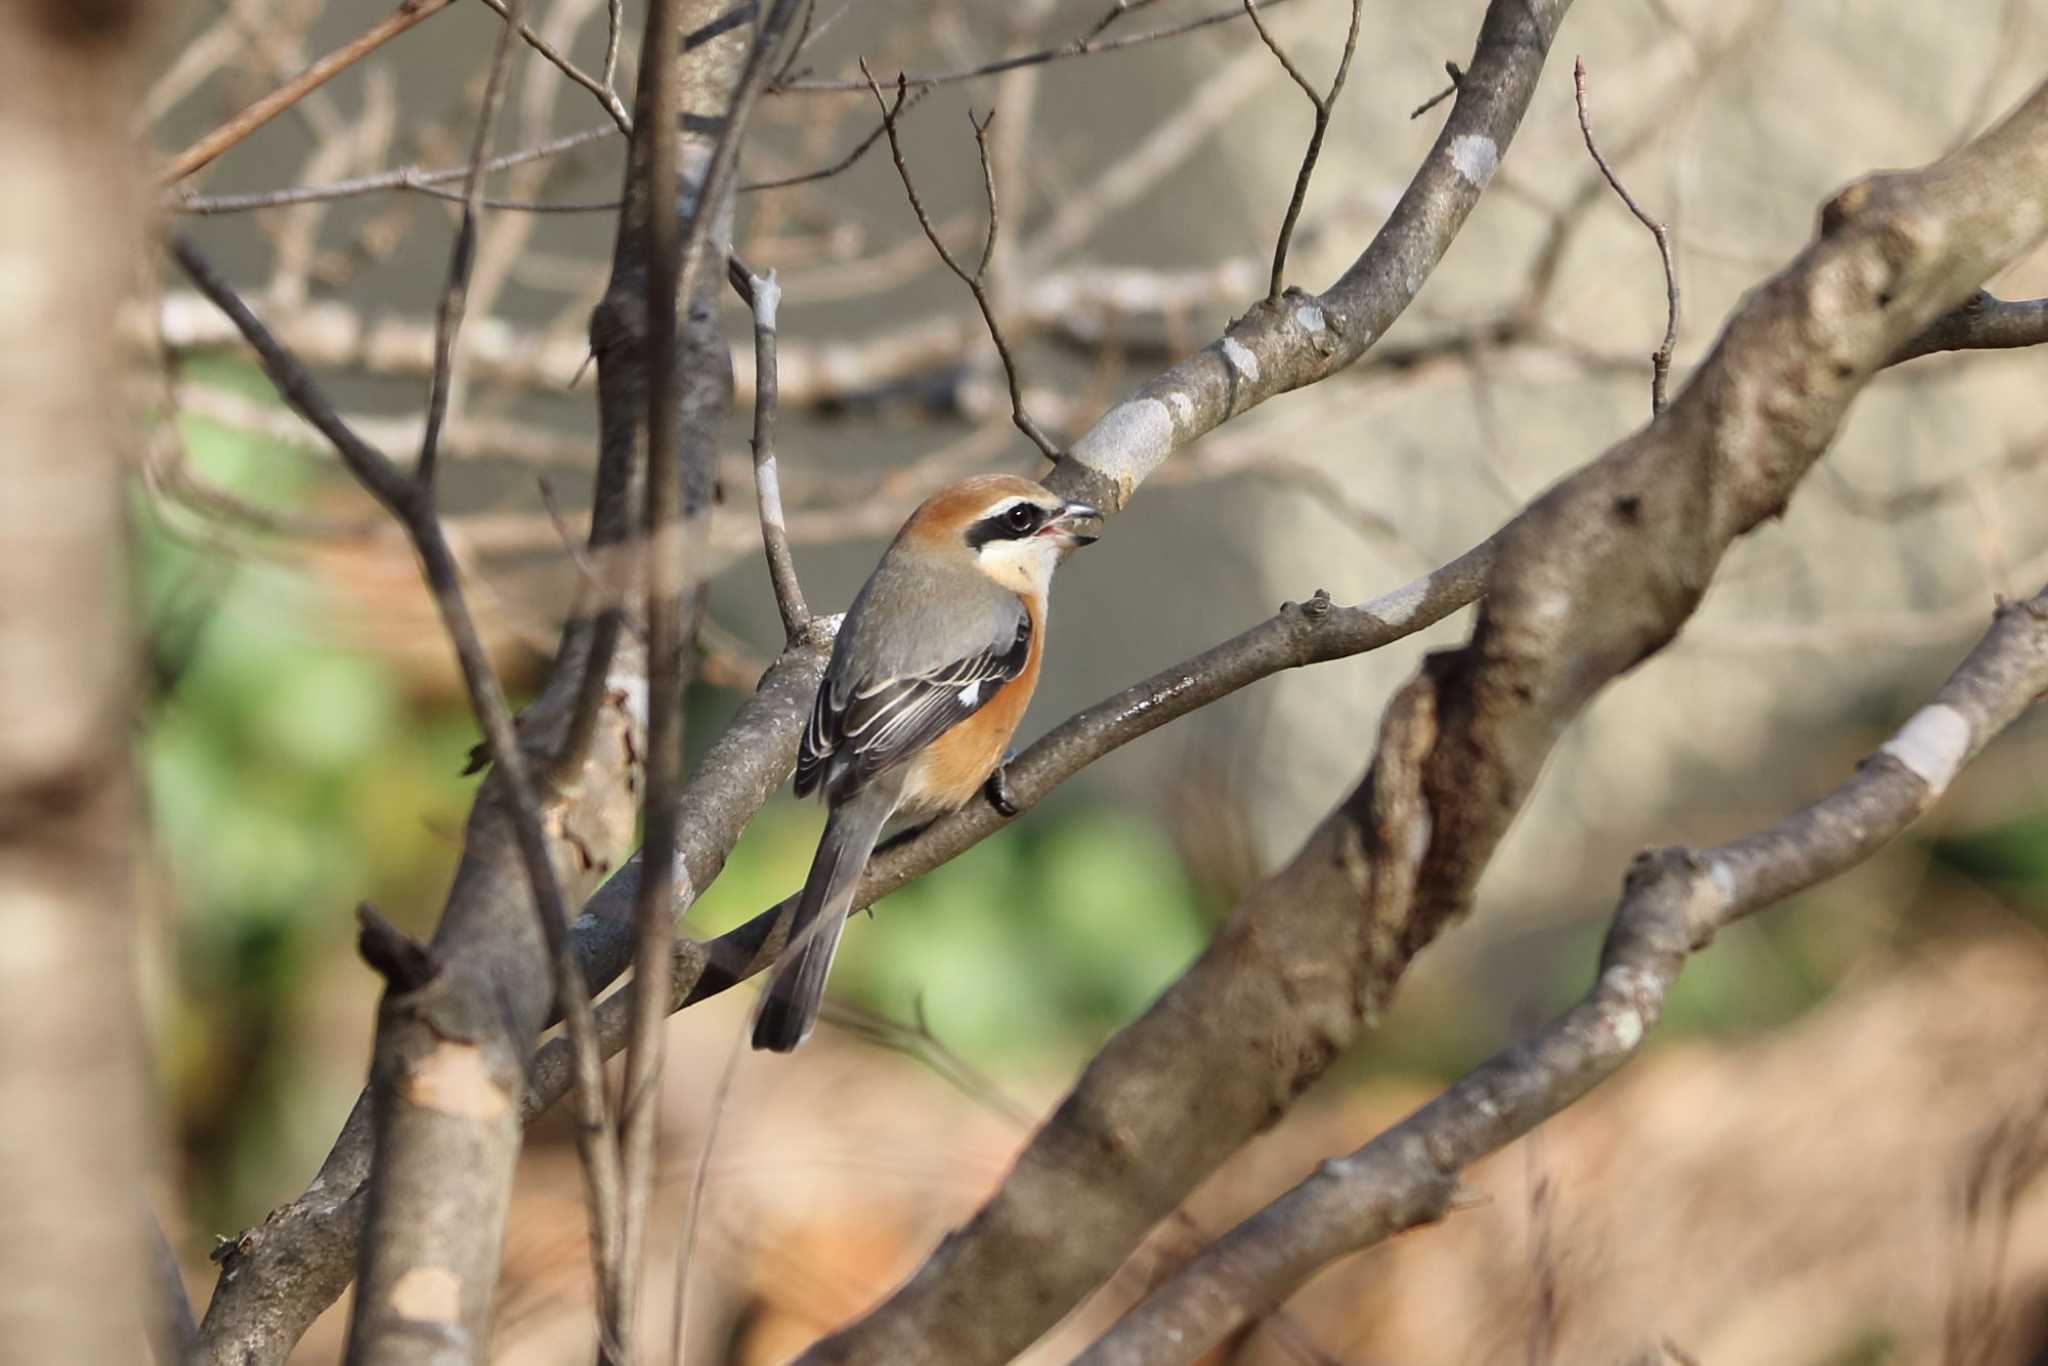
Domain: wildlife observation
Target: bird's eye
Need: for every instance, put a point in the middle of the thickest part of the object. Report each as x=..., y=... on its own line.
x=1022, y=517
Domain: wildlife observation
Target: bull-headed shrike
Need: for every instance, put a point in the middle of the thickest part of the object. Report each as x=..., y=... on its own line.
x=930, y=674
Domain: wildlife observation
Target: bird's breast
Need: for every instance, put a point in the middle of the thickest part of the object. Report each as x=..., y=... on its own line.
x=950, y=771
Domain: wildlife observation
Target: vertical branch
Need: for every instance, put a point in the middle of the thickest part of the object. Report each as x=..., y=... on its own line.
x=455, y=295
x=614, y=25
x=74, y=1131
x=1660, y=359
x=681, y=213
x=763, y=297
x=1324, y=104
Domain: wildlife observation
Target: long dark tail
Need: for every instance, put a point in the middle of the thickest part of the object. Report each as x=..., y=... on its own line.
x=789, y=1008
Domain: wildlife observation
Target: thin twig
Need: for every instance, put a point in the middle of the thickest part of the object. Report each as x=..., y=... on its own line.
x=1084, y=48
x=455, y=294
x=602, y=89
x=860, y=150
x=254, y=116
x=1323, y=105
x=614, y=24
x=1457, y=76
x=1660, y=359
x=402, y=178
x=975, y=282
x=411, y=503
x=763, y=296
x=1116, y=12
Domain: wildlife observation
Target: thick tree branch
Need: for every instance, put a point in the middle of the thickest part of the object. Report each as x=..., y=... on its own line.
x=1276, y=348
x=1595, y=576
x=1674, y=903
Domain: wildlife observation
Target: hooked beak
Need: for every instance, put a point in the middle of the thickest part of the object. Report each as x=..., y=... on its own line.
x=1062, y=529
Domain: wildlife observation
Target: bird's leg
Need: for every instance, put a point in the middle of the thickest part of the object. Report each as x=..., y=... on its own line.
x=997, y=788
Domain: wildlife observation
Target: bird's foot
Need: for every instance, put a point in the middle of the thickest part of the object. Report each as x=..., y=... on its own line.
x=997, y=790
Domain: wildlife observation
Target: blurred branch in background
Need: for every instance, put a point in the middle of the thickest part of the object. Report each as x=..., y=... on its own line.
x=76, y=1134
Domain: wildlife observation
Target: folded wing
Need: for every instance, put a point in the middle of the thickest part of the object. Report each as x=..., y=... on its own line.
x=869, y=726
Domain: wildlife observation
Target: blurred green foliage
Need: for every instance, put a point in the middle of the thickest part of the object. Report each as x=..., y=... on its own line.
x=2010, y=859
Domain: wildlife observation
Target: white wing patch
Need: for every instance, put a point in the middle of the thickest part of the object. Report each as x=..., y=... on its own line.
x=970, y=692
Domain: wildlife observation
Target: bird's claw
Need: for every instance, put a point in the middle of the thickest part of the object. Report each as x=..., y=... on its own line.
x=997, y=790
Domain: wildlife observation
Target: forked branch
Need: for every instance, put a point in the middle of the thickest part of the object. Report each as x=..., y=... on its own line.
x=1324, y=104
x=976, y=280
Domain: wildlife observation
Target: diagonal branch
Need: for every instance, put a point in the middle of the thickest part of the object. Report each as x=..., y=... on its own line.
x=412, y=503
x=262, y=111
x=602, y=89
x=1675, y=901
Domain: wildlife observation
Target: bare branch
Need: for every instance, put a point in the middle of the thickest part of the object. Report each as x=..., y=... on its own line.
x=1660, y=359
x=404, y=178
x=455, y=294
x=1087, y=47
x=1982, y=323
x=248, y=120
x=975, y=282
x=763, y=296
x=1457, y=78
x=1116, y=11
x=1674, y=903
x=1323, y=105
x=859, y=150
x=614, y=25
x=606, y=96
x=683, y=205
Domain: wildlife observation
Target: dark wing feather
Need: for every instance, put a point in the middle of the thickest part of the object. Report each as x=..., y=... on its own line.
x=880, y=723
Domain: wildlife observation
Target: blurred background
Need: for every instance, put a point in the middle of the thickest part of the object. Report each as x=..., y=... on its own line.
x=1828, y=1154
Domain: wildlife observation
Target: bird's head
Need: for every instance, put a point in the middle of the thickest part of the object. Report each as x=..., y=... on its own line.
x=1009, y=528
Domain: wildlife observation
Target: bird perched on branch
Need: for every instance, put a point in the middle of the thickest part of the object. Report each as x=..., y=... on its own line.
x=930, y=674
